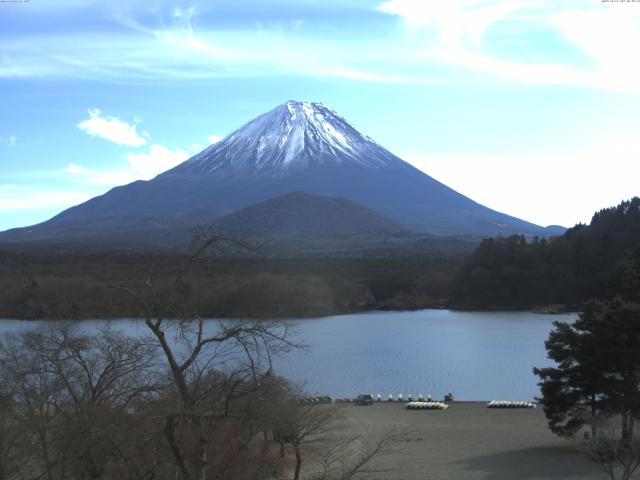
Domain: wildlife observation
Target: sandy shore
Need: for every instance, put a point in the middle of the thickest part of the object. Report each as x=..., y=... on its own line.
x=471, y=442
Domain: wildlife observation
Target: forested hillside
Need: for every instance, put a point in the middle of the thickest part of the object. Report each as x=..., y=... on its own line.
x=588, y=261
x=85, y=286
x=596, y=260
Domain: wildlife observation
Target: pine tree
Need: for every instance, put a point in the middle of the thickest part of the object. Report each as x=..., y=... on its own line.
x=597, y=368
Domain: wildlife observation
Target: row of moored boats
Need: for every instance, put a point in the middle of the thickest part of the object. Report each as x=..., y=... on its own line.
x=509, y=404
x=427, y=406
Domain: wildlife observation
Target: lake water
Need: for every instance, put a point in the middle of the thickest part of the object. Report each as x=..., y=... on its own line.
x=474, y=355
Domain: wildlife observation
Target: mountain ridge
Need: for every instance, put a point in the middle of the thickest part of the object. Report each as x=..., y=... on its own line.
x=295, y=147
x=300, y=215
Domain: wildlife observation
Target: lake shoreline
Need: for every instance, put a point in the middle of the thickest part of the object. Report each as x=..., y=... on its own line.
x=559, y=310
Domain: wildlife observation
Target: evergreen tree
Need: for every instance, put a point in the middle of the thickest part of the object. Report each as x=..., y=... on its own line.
x=597, y=369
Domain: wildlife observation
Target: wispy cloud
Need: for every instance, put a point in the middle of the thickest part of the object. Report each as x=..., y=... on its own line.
x=455, y=21
x=606, y=35
x=112, y=129
x=9, y=141
x=54, y=6
x=20, y=197
x=438, y=38
x=610, y=38
x=169, y=47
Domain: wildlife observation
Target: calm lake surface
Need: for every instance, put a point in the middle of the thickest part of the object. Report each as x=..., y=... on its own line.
x=475, y=355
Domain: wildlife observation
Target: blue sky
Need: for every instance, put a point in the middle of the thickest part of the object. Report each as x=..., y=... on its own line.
x=529, y=107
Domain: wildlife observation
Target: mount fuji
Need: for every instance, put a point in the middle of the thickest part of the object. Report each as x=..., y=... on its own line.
x=296, y=147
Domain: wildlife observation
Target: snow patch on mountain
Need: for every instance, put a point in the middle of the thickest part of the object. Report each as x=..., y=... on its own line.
x=292, y=136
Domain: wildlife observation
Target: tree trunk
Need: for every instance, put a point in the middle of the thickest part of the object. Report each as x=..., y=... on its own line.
x=594, y=424
x=265, y=442
x=202, y=449
x=627, y=428
x=45, y=454
x=169, y=431
x=594, y=435
x=296, y=474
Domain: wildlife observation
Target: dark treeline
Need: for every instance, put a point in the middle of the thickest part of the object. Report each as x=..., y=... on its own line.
x=74, y=286
x=512, y=272
x=595, y=260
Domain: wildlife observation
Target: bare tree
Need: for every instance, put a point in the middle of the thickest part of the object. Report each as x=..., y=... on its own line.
x=72, y=393
x=316, y=432
x=617, y=450
x=209, y=363
x=10, y=435
x=302, y=426
x=36, y=393
x=191, y=399
x=347, y=458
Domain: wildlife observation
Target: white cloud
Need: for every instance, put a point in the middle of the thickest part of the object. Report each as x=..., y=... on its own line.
x=213, y=138
x=542, y=188
x=608, y=35
x=610, y=38
x=17, y=197
x=158, y=159
x=74, y=169
x=112, y=129
x=10, y=141
x=184, y=13
x=455, y=20
x=140, y=166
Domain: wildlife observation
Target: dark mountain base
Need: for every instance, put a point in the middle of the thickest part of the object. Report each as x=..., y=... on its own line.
x=83, y=286
x=176, y=242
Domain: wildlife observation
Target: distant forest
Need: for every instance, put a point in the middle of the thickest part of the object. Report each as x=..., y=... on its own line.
x=595, y=260
x=87, y=286
x=559, y=273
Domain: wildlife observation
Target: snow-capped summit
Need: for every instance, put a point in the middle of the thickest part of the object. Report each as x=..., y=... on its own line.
x=293, y=135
